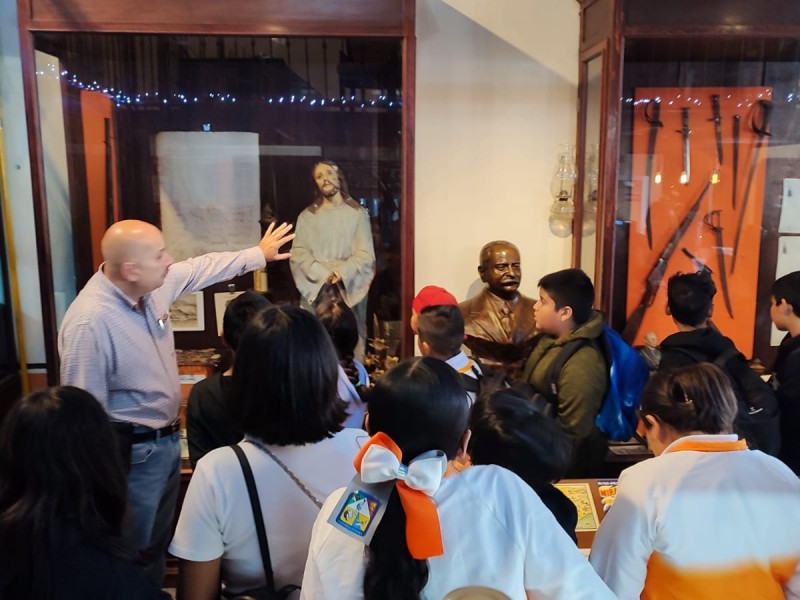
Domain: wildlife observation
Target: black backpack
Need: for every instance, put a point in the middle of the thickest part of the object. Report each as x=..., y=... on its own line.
x=758, y=415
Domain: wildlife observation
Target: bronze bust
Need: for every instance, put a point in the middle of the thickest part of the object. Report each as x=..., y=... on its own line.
x=499, y=324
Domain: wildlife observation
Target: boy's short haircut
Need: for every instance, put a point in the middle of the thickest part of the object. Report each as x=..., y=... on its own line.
x=787, y=288
x=238, y=314
x=689, y=297
x=573, y=288
x=442, y=328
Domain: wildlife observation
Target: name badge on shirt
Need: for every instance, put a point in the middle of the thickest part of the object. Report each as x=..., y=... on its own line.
x=361, y=509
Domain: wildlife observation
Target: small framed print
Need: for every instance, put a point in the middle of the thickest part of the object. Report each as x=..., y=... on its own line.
x=187, y=313
x=221, y=301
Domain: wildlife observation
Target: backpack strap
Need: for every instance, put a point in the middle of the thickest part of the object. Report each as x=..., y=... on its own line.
x=554, y=368
x=723, y=358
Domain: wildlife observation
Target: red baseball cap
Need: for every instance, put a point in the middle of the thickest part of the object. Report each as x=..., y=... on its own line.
x=432, y=295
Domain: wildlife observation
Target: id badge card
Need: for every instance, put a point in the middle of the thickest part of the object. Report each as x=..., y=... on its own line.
x=361, y=508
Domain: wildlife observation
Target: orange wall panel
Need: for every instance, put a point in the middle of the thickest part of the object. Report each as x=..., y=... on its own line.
x=670, y=202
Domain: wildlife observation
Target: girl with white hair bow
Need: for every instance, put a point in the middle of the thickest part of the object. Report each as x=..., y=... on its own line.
x=429, y=528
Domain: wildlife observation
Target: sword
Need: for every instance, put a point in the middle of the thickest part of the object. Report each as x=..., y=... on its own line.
x=653, y=118
x=712, y=220
x=761, y=131
x=685, y=132
x=717, y=118
x=736, y=122
x=701, y=267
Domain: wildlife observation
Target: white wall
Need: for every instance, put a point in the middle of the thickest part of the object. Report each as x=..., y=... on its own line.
x=489, y=121
x=18, y=171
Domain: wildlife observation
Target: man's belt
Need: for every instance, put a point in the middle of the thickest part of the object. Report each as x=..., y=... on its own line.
x=155, y=434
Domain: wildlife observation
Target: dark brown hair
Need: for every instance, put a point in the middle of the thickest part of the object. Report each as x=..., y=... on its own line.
x=61, y=482
x=284, y=380
x=698, y=398
x=442, y=327
x=573, y=288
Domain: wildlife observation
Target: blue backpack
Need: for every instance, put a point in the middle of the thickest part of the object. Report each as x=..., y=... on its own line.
x=627, y=376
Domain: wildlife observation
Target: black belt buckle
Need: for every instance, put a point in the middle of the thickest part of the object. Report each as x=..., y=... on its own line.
x=148, y=436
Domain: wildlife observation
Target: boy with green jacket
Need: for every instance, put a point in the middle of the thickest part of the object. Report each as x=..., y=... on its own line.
x=564, y=313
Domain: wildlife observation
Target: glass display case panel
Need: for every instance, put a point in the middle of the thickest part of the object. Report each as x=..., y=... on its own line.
x=212, y=138
x=708, y=149
x=591, y=163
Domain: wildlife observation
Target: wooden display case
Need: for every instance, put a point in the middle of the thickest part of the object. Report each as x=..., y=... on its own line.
x=683, y=53
x=306, y=80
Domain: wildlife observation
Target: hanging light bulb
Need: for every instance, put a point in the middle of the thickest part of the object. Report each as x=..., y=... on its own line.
x=561, y=187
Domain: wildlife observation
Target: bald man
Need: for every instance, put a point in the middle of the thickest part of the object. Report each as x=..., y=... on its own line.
x=116, y=342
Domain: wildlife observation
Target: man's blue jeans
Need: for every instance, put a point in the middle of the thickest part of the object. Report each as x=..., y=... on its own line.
x=152, y=494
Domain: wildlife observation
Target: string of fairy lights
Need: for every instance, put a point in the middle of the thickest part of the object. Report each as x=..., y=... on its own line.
x=156, y=98
x=683, y=99
x=316, y=100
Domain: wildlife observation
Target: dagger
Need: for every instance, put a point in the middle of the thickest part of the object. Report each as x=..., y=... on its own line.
x=717, y=118
x=652, y=114
x=685, y=132
x=761, y=131
x=712, y=220
x=736, y=123
x=701, y=267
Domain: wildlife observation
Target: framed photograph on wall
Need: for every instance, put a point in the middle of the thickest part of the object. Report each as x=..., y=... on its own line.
x=187, y=313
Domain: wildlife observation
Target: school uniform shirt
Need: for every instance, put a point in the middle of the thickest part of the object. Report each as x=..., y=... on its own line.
x=216, y=519
x=708, y=519
x=495, y=532
x=464, y=365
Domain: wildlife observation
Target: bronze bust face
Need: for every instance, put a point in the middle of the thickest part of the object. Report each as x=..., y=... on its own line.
x=499, y=324
x=500, y=269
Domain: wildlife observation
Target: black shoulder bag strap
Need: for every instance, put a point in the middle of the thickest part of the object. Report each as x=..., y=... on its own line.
x=257, y=516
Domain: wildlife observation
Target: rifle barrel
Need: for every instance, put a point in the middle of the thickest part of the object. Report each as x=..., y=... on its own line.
x=656, y=273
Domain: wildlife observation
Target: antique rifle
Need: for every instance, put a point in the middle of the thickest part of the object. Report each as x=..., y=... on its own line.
x=736, y=124
x=653, y=281
x=712, y=220
x=761, y=130
x=686, y=175
x=652, y=114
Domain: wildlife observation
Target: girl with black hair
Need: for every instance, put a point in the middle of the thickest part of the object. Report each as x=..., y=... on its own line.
x=508, y=430
x=283, y=398
x=442, y=529
x=62, y=499
x=340, y=322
